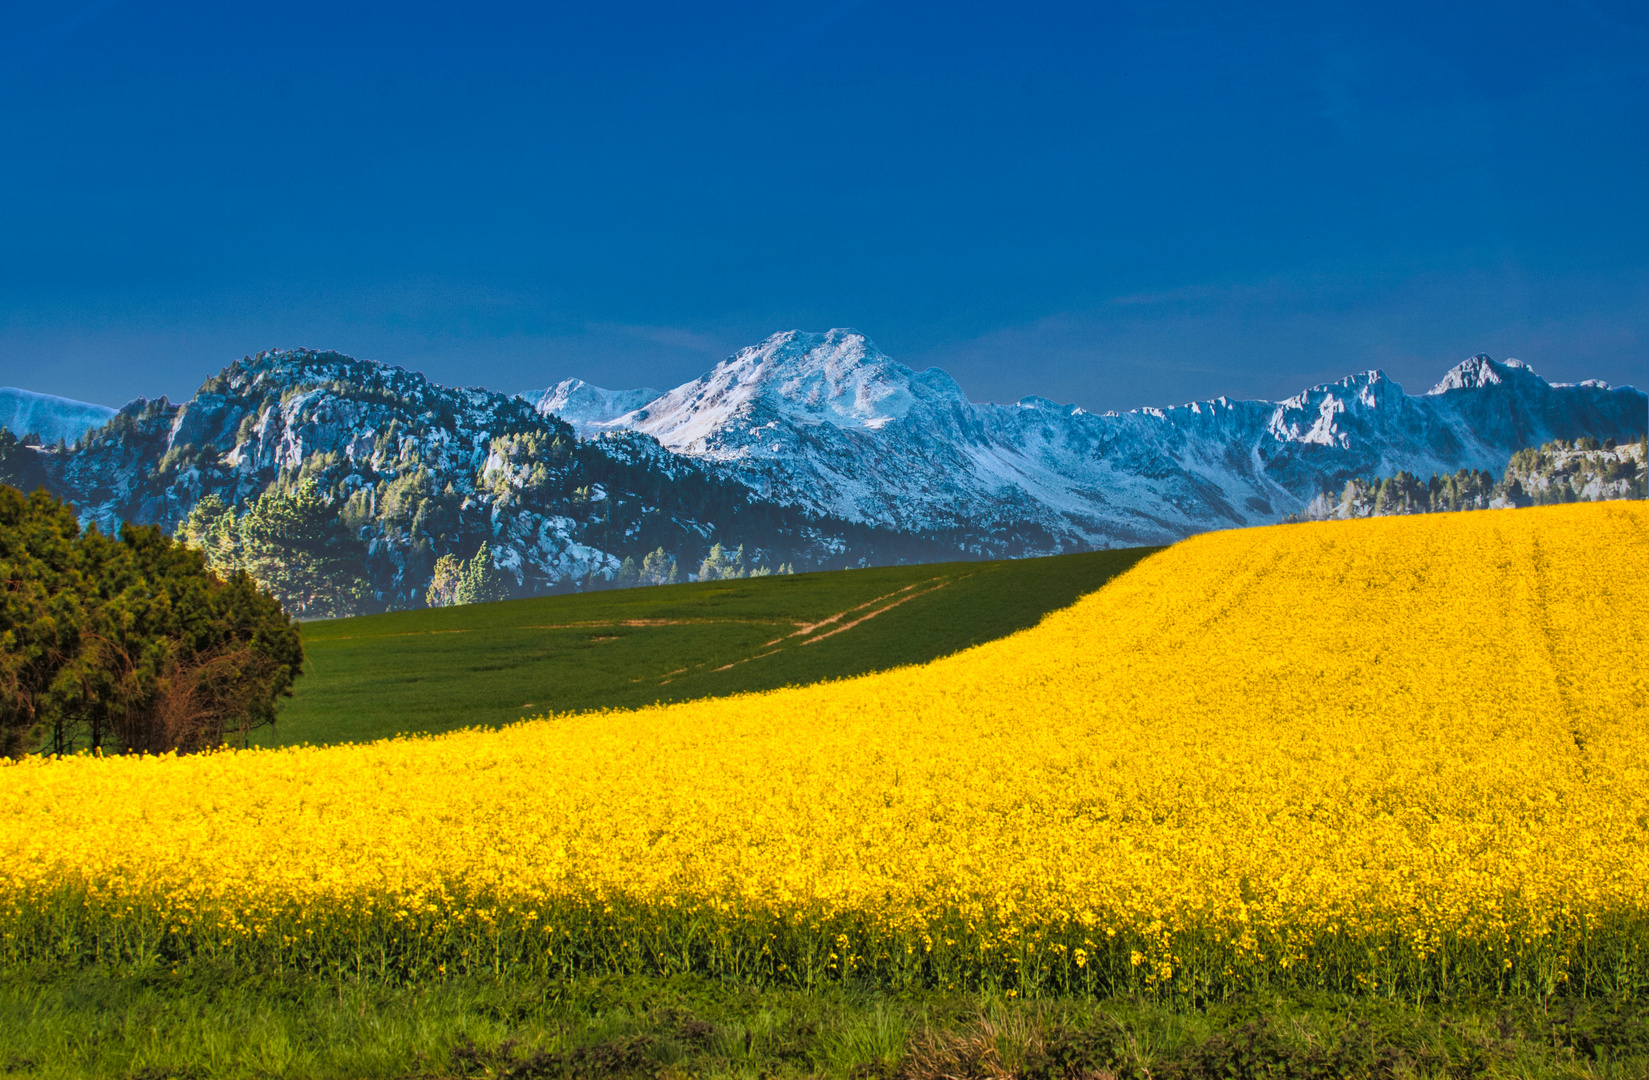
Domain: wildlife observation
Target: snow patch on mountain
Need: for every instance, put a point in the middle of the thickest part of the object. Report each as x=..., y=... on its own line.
x=794, y=380
x=587, y=408
x=52, y=418
x=830, y=423
x=1481, y=371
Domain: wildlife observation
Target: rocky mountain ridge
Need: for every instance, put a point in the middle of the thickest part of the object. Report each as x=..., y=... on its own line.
x=815, y=450
x=829, y=423
x=416, y=471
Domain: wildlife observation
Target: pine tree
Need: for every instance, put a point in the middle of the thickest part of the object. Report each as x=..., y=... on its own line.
x=658, y=568
x=42, y=616
x=210, y=529
x=443, y=584
x=128, y=643
x=719, y=565
x=481, y=581
x=298, y=549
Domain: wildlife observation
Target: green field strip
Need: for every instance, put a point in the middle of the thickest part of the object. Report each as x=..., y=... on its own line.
x=487, y=665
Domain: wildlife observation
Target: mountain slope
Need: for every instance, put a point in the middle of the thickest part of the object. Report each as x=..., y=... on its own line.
x=54, y=419
x=829, y=423
x=811, y=450
x=415, y=470
x=587, y=407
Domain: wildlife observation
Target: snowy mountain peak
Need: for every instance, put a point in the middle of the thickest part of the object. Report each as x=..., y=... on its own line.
x=587, y=408
x=838, y=379
x=51, y=417
x=764, y=445
x=1367, y=388
x=830, y=423
x=1479, y=371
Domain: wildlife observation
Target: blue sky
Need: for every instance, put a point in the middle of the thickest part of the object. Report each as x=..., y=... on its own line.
x=1113, y=204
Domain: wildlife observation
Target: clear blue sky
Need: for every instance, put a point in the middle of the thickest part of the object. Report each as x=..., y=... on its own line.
x=1113, y=204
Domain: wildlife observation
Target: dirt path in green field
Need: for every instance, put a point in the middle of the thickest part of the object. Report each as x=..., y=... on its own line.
x=931, y=587
x=390, y=673
x=810, y=633
x=887, y=602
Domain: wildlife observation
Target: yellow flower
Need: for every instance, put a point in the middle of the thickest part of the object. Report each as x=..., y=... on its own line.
x=1367, y=754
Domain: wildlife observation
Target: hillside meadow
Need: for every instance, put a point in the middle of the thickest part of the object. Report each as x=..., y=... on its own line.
x=486, y=665
x=1397, y=760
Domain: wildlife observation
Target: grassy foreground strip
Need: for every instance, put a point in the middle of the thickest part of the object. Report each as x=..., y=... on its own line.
x=208, y=1024
x=1402, y=756
x=492, y=664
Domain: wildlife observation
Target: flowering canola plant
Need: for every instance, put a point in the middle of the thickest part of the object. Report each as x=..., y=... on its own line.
x=1395, y=755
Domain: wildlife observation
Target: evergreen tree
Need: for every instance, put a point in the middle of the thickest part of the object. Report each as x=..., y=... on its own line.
x=658, y=568
x=719, y=565
x=443, y=586
x=42, y=617
x=129, y=643
x=1357, y=500
x=210, y=529
x=481, y=581
x=296, y=547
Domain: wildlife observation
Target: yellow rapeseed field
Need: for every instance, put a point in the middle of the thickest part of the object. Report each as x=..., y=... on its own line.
x=1398, y=755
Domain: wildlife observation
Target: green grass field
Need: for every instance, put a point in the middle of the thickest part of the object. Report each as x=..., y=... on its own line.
x=491, y=664
x=206, y=1023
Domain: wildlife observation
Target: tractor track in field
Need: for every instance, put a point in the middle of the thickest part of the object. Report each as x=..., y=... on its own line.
x=810, y=633
x=889, y=602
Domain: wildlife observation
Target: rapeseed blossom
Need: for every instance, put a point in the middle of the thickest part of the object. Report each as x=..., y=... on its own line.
x=1398, y=755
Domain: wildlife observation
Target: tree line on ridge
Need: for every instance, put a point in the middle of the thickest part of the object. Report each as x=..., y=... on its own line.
x=1579, y=470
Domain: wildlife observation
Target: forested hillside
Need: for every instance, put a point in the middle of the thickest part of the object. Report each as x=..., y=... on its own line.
x=1560, y=471
x=341, y=483
x=347, y=486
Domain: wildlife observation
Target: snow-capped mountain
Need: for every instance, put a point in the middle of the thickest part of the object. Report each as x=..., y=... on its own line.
x=587, y=408
x=830, y=423
x=415, y=470
x=52, y=418
x=815, y=450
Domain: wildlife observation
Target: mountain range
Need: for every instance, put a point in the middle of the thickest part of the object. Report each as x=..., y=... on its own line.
x=830, y=423
x=816, y=450
x=415, y=471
